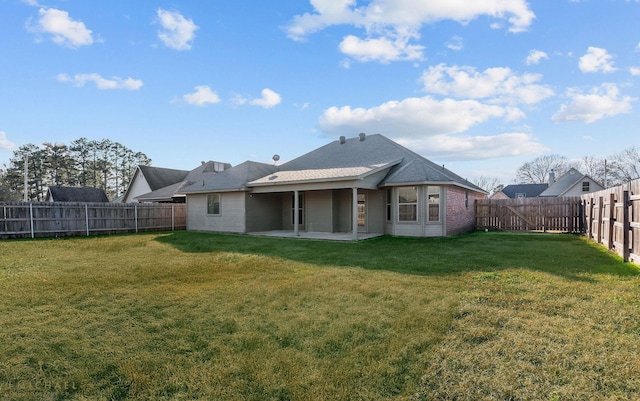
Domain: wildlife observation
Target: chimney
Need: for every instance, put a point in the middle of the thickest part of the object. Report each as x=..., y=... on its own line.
x=552, y=177
x=342, y=139
x=362, y=136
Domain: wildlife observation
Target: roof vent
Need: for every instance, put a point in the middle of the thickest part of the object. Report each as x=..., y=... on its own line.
x=362, y=136
x=343, y=139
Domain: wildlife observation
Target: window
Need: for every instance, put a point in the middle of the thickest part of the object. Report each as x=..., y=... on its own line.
x=408, y=204
x=466, y=199
x=389, y=203
x=585, y=186
x=213, y=204
x=433, y=200
x=520, y=195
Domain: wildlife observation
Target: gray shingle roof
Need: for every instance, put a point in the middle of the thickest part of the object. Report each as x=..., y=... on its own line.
x=232, y=179
x=158, y=177
x=167, y=193
x=75, y=194
x=564, y=183
x=376, y=150
x=528, y=190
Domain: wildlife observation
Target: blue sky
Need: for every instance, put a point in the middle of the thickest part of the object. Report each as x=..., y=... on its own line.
x=481, y=86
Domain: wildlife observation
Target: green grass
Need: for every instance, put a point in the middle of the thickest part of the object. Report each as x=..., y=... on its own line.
x=176, y=316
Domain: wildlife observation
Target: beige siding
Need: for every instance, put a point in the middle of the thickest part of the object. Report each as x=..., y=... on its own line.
x=231, y=218
x=342, y=207
x=376, y=209
x=139, y=187
x=264, y=212
x=319, y=211
x=576, y=190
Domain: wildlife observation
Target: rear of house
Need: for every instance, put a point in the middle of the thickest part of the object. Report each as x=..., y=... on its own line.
x=364, y=185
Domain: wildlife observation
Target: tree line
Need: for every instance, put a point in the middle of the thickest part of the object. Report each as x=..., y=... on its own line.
x=84, y=163
x=614, y=170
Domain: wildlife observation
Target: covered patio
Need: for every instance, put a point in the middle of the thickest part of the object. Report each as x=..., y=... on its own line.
x=315, y=235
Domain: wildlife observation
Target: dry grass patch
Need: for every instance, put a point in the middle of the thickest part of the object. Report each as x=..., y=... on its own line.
x=522, y=335
x=133, y=318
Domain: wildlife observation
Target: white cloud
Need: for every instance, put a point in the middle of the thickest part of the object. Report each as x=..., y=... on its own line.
x=391, y=25
x=602, y=101
x=596, y=60
x=455, y=43
x=63, y=29
x=100, y=82
x=201, y=96
x=634, y=70
x=497, y=85
x=269, y=99
x=177, y=32
x=535, y=56
x=5, y=144
x=382, y=49
x=413, y=117
x=454, y=147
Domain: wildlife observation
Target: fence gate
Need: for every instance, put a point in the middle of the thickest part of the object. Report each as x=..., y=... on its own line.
x=562, y=214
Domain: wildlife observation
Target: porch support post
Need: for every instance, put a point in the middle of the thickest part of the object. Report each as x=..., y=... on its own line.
x=296, y=206
x=354, y=224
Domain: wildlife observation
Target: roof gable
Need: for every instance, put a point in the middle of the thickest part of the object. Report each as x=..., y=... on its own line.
x=564, y=183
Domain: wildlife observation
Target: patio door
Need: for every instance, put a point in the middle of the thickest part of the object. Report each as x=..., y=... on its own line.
x=362, y=213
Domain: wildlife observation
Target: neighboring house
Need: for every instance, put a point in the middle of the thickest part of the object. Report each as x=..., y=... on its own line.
x=74, y=194
x=367, y=184
x=156, y=184
x=520, y=191
x=572, y=183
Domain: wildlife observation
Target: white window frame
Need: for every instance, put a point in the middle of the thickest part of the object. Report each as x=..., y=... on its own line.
x=409, y=203
x=211, y=204
x=434, y=199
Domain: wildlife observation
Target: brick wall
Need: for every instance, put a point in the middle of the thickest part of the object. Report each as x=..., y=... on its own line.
x=461, y=215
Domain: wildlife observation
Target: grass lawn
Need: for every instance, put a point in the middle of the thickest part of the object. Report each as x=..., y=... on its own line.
x=194, y=316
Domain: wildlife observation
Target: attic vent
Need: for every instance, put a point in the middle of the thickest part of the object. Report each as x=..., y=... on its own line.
x=362, y=136
x=342, y=139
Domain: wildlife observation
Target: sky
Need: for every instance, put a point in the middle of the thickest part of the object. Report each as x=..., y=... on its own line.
x=481, y=86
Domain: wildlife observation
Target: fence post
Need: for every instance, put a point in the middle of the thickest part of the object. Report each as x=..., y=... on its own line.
x=590, y=220
x=612, y=219
x=86, y=217
x=135, y=215
x=600, y=222
x=172, y=218
x=626, y=226
x=33, y=235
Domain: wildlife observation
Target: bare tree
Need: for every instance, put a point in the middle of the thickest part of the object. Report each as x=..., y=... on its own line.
x=489, y=184
x=537, y=171
x=624, y=166
x=594, y=168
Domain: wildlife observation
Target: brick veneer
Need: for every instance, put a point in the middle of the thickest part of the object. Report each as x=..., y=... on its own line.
x=461, y=219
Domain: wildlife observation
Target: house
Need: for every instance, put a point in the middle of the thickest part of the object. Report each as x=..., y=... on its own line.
x=520, y=191
x=155, y=184
x=363, y=186
x=572, y=183
x=74, y=194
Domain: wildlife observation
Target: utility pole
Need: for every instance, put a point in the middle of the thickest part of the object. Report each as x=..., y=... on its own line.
x=26, y=175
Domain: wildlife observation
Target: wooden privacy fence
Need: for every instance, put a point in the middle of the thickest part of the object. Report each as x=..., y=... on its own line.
x=613, y=219
x=58, y=219
x=563, y=214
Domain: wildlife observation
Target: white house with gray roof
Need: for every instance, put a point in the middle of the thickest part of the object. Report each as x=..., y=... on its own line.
x=363, y=186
